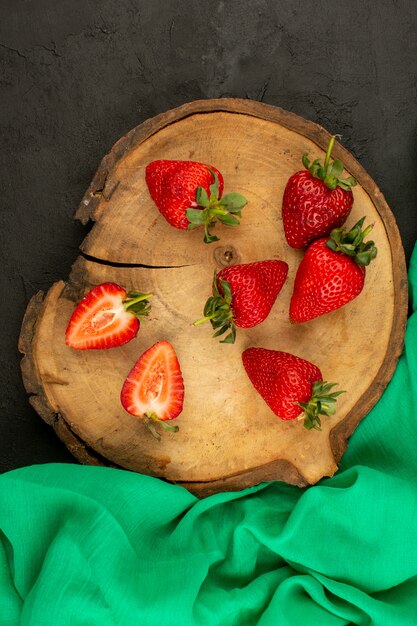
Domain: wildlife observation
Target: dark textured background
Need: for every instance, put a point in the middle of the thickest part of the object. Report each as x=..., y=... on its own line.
x=75, y=75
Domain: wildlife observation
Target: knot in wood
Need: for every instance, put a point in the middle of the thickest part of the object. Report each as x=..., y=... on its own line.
x=226, y=255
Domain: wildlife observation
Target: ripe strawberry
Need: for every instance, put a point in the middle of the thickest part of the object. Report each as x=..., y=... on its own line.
x=243, y=296
x=290, y=385
x=106, y=317
x=332, y=273
x=154, y=388
x=189, y=194
x=316, y=200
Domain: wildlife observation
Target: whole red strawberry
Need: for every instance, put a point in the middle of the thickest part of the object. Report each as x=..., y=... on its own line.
x=290, y=385
x=331, y=273
x=106, y=317
x=316, y=200
x=243, y=296
x=154, y=388
x=189, y=194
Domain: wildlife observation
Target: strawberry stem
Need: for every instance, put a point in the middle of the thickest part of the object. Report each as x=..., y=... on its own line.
x=137, y=303
x=151, y=429
x=329, y=172
x=150, y=418
x=218, y=311
x=352, y=243
x=208, y=208
x=131, y=301
x=322, y=402
x=204, y=319
x=208, y=237
x=329, y=152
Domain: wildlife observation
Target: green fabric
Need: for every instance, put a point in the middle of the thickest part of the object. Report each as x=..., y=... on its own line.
x=86, y=546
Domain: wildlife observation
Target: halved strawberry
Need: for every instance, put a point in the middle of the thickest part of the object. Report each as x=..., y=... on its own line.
x=106, y=317
x=154, y=388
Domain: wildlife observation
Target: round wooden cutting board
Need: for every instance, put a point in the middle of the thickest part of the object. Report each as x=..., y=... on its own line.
x=228, y=437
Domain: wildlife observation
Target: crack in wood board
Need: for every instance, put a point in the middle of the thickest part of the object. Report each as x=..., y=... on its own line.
x=110, y=263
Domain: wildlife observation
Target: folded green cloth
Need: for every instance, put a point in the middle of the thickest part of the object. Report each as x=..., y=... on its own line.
x=87, y=546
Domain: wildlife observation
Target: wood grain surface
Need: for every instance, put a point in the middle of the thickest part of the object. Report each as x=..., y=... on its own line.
x=228, y=438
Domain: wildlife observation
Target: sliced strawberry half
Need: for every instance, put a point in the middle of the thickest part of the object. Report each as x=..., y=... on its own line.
x=106, y=317
x=154, y=388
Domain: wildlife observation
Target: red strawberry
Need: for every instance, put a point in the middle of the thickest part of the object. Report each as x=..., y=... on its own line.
x=316, y=200
x=189, y=194
x=243, y=296
x=106, y=317
x=154, y=388
x=332, y=273
x=290, y=385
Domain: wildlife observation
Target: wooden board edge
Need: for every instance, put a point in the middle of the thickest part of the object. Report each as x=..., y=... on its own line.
x=102, y=187
x=280, y=470
x=33, y=386
x=340, y=434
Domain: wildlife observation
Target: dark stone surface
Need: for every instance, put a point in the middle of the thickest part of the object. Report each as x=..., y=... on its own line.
x=75, y=75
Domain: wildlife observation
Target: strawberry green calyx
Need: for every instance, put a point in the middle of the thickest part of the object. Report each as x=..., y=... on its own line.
x=223, y=209
x=149, y=419
x=218, y=311
x=330, y=172
x=352, y=243
x=322, y=402
x=137, y=303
